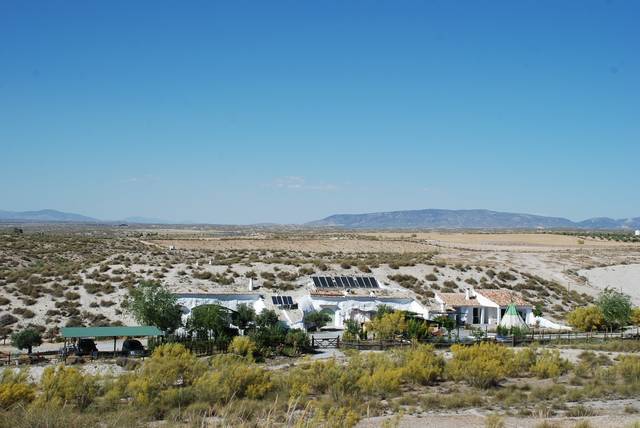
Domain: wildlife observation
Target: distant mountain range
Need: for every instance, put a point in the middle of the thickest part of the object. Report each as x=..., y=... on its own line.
x=45, y=216
x=413, y=219
x=466, y=219
x=54, y=216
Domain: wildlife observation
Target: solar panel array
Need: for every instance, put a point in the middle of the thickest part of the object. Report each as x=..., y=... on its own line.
x=345, y=282
x=282, y=300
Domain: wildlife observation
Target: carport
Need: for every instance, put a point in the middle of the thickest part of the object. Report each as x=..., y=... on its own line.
x=115, y=332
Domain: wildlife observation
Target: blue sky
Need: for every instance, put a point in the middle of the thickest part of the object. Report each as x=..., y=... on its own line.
x=242, y=112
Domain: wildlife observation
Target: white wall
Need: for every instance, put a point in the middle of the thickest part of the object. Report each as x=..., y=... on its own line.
x=358, y=307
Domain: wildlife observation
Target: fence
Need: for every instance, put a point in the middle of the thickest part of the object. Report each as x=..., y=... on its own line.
x=199, y=347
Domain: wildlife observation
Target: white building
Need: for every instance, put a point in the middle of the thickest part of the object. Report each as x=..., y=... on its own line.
x=188, y=301
x=483, y=307
x=637, y=233
x=361, y=308
x=358, y=303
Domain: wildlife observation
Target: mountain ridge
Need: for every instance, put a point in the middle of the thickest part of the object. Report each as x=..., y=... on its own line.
x=466, y=219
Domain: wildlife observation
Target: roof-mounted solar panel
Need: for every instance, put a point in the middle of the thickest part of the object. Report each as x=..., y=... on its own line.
x=352, y=282
x=367, y=282
x=374, y=282
x=289, y=300
x=280, y=302
x=360, y=282
x=316, y=281
x=330, y=282
x=338, y=281
x=273, y=299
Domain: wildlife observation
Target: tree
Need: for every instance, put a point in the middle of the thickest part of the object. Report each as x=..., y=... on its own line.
x=244, y=316
x=388, y=326
x=152, y=304
x=26, y=339
x=615, y=307
x=317, y=319
x=537, y=311
x=586, y=318
x=211, y=321
x=447, y=323
x=635, y=317
x=267, y=318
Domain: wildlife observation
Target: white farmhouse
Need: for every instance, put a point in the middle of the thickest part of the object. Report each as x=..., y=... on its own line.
x=483, y=307
x=360, y=308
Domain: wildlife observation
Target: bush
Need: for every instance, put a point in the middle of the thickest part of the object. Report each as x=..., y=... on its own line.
x=243, y=346
x=171, y=366
x=14, y=389
x=66, y=385
x=549, y=364
x=233, y=378
x=422, y=365
x=629, y=368
x=482, y=365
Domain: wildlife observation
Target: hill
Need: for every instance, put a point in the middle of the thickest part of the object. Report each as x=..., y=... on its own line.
x=45, y=216
x=465, y=219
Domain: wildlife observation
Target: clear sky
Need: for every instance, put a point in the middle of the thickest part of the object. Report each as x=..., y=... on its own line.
x=266, y=111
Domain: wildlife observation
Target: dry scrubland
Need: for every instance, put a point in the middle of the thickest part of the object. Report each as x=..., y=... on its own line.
x=79, y=276
x=67, y=277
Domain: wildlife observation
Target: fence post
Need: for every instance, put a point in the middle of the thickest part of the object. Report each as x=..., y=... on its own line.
x=338, y=342
x=313, y=342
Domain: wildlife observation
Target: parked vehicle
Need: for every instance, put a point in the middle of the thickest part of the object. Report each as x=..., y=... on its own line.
x=133, y=348
x=86, y=347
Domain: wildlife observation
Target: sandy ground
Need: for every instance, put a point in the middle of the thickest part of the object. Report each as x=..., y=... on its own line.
x=625, y=278
x=311, y=245
x=469, y=419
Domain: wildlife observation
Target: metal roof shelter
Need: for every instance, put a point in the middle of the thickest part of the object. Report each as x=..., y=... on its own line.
x=115, y=332
x=76, y=332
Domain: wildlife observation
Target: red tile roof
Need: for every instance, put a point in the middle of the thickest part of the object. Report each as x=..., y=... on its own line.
x=503, y=297
x=457, y=299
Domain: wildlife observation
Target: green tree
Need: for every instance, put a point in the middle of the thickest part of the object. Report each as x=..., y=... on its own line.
x=244, y=316
x=447, y=323
x=537, y=311
x=152, y=304
x=267, y=318
x=26, y=339
x=210, y=321
x=317, y=319
x=615, y=307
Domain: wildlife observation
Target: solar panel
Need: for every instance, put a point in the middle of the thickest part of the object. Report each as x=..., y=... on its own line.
x=360, y=282
x=323, y=282
x=338, y=281
x=289, y=300
x=316, y=282
x=280, y=300
x=273, y=299
x=330, y=282
x=367, y=282
x=344, y=281
x=374, y=282
x=352, y=282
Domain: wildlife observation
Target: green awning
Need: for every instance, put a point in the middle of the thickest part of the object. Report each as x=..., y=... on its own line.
x=111, y=331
